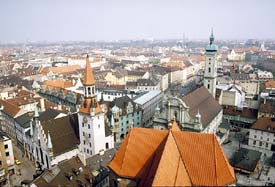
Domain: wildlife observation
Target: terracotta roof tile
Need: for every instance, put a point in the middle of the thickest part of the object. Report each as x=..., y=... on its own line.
x=270, y=84
x=57, y=83
x=9, y=108
x=88, y=75
x=264, y=124
x=86, y=106
x=63, y=69
x=172, y=158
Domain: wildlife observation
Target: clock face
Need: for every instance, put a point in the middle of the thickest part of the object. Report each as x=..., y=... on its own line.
x=85, y=119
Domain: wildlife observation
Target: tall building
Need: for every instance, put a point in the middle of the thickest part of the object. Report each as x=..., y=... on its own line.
x=91, y=118
x=210, y=73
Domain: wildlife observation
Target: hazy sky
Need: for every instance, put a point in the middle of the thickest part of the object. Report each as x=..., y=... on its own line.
x=56, y=20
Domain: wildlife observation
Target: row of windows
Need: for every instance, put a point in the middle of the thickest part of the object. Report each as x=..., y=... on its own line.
x=83, y=124
x=260, y=144
x=87, y=151
x=90, y=144
x=89, y=134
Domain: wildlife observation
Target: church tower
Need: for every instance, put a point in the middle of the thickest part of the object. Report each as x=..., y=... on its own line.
x=91, y=118
x=210, y=72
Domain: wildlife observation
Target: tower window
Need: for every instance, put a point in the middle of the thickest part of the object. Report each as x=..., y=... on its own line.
x=208, y=86
x=209, y=70
x=89, y=90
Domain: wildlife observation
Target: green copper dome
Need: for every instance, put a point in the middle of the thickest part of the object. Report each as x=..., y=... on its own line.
x=211, y=47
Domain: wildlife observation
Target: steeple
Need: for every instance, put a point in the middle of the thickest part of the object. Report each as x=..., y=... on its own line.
x=90, y=104
x=31, y=128
x=36, y=114
x=49, y=143
x=211, y=37
x=88, y=76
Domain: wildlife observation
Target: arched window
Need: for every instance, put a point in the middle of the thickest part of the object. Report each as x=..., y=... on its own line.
x=209, y=70
x=89, y=90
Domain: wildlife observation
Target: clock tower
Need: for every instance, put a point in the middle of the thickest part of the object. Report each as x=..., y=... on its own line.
x=210, y=72
x=91, y=118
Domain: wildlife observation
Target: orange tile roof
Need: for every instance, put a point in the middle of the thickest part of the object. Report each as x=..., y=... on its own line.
x=63, y=69
x=9, y=108
x=270, y=84
x=87, y=105
x=88, y=76
x=172, y=158
x=60, y=83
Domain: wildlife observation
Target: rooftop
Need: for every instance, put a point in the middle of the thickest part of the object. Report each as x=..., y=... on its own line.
x=172, y=158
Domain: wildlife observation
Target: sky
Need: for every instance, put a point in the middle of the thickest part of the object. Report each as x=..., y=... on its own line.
x=89, y=20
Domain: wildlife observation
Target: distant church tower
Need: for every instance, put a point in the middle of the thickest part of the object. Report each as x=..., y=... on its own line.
x=91, y=118
x=210, y=73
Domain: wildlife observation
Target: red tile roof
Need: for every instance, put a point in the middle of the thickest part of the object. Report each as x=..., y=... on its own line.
x=172, y=158
x=88, y=76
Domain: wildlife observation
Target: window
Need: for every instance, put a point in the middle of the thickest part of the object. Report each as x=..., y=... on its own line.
x=107, y=145
x=83, y=133
x=266, y=144
x=254, y=142
x=208, y=86
x=99, y=126
x=6, y=146
x=89, y=126
x=255, y=136
x=84, y=150
x=209, y=70
x=90, y=144
x=7, y=153
x=84, y=142
x=82, y=124
x=89, y=135
x=89, y=91
x=261, y=143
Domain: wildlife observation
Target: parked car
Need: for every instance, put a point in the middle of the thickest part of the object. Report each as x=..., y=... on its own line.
x=17, y=162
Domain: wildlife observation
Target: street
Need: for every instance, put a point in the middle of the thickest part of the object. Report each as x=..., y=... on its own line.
x=23, y=171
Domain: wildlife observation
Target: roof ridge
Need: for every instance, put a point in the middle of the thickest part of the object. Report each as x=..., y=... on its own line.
x=224, y=158
x=177, y=169
x=215, y=159
x=129, y=134
x=182, y=156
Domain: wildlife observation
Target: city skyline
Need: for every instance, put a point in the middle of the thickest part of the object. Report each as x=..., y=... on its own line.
x=51, y=21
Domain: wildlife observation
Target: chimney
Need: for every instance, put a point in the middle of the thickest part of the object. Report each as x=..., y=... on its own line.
x=42, y=104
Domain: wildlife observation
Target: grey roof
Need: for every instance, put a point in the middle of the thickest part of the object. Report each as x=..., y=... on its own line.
x=146, y=82
x=131, y=83
x=49, y=114
x=64, y=133
x=24, y=120
x=246, y=159
x=201, y=100
x=240, y=76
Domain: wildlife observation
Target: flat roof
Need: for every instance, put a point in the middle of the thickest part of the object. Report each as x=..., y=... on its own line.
x=147, y=97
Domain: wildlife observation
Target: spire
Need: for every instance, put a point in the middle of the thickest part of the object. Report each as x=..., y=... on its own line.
x=31, y=129
x=211, y=37
x=88, y=76
x=36, y=114
x=50, y=145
